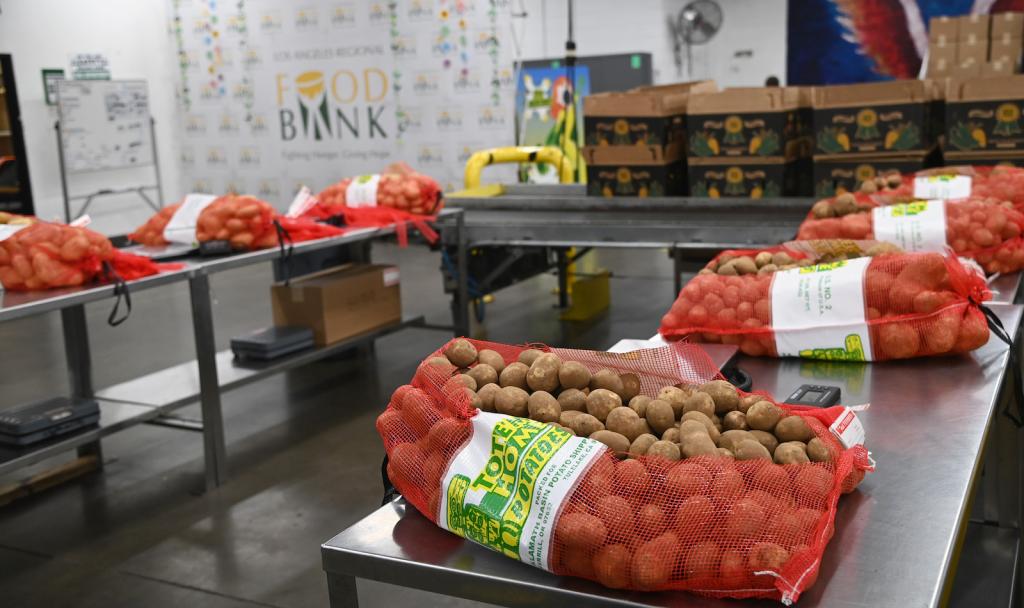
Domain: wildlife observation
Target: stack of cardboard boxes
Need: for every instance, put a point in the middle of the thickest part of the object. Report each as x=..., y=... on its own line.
x=863, y=130
x=975, y=45
x=636, y=140
x=984, y=121
x=749, y=142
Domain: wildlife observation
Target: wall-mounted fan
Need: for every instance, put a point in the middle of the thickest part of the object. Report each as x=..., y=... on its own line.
x=695, y=24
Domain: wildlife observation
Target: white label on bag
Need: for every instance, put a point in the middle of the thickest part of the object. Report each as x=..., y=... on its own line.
x=848, y=429
x=916, y=226
x=82, y=221
x=303, y=201
x=181, y=228
x=942, y=186
x=505, y=488
x=391, y=276
x=818, y=312
x=8, y=230
x=362, y=191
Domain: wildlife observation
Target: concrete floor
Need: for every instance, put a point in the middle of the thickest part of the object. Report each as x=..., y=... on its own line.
x=304, y=457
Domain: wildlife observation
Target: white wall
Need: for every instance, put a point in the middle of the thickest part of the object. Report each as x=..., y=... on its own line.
x=750, y=46
x=133, y=35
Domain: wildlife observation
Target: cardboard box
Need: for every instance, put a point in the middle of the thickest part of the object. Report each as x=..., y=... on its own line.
x=877, y=117
x=845, y=172
x=640, y=171
x=749, y=177
x=985, y=113
x=340, y=302
x=771, y=121
x=941, y=59
x=971, y=52
x=650, y=116
x=1012, y=159
x=943, y=29
x=971, y=28
x=997, y=68
x=1007, y=24
x=1007, y=49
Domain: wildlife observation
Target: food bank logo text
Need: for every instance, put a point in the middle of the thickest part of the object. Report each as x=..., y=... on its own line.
x=343, y=104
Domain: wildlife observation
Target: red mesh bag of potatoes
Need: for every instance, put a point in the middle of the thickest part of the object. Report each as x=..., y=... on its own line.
x=871, y=304
x=45, y=255
x=249, y=223
x=152, y=232
x=1000, y=183
x=398, y=187
x=984, y=230
x=582, y=485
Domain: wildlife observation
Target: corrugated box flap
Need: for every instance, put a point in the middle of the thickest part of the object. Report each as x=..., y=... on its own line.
x=874, y=93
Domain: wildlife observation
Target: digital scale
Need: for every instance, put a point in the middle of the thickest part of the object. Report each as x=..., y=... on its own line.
x=272, y=342
x=33, y=422
x=814, y=395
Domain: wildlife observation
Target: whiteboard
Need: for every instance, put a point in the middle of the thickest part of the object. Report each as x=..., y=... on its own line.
x=104, y=124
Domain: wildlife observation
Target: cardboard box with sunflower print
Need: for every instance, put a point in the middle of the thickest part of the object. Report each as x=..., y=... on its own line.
x=845, y=172
x=877, y=118
x=645, y=116
x=748, y=177
x=639, y=171
x=755, y=122
x=984, y=114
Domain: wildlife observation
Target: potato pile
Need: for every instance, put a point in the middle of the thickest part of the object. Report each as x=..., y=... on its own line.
x=16, y=220
x=1000, y=182
x=152, y=232
x=248, y=223
x=902, y=292
x=680, y=422
x=890, y=180
x=986, y=230
x=412, y=192
x=736, y=263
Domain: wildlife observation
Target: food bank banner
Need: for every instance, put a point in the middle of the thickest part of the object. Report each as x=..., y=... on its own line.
x=275, y=94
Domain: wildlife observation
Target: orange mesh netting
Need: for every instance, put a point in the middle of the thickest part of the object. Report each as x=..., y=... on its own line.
x=915, y=305
x=707, y=524
x=1000, y=183
x=152, y=232
x=249, y=223
x=400, y=187
x=45, y=255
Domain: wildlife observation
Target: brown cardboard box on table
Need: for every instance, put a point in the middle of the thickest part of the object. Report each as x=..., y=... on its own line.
x=943, y=30
x=877, y=117
x=971, y=52
x=997, y=68
x=972, y=27
x=941, y=59
x=1011, y=24
x=741, y=122
x=985, y=114
x=341, y=302
x=1007, y=49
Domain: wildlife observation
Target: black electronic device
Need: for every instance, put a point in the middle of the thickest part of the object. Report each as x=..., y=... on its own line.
x=815, y=395
x=38, y=420
x=212, y=248
x=272, y=342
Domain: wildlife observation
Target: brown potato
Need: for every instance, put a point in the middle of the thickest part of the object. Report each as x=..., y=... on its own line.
x=735, y=421
x=745, y=518
x=726, y=453
x=650, y=569
x=543, y=373
x=763, y=416
x=486, y=394
x=697, y=444
x=730, y=439
x=528, y=356
x=749, y=449
x=708, y=424
x=762, y=258
x=745, y=265
x=491, y=358
x=511, y=400
x=724, y=394
x=791, y=452
x=581, y=531
x=584, y=425
x=749, y=400
x=439, y=361
x=766, y=439
x=613, y=440
x=689, y=427
x=630, y=386
x=781, y=258
x=641, y=444
x=483, y=374
x=767, y=556
x=700, y=402
x=573, y=374
x=601, y=402
x=674, y=396
x=639, y=405
x=728, y=269
x=474, y=399
x=514, y=374
x=665, y=449
x=467, y=381
x=625, y=422
x=817, y=451
x=544, y=407
x=608, y=380
x=672, y=435
x=461, y=353
x=660, y=416
x=611, y=566
x=793, y=428
x=767, y=269
x=568, y=416
x=572, y=399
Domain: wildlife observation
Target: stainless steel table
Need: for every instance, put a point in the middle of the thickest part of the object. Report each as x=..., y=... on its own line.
x=895, y=538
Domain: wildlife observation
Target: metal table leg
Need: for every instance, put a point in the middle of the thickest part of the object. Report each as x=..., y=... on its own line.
x=677, y=270
x=461, y=316
x=563, y=279
x=209, y=387
x=342, y=591
x=79, y=360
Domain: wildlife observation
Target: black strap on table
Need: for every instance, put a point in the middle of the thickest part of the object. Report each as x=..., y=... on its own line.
x=121, y=293
x=389, y=489
x=997, y=328
x=286, y=253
